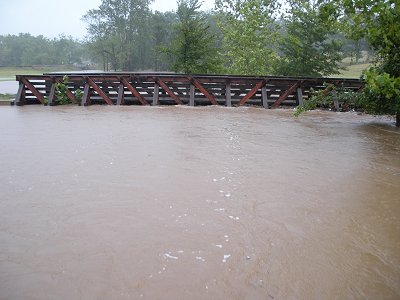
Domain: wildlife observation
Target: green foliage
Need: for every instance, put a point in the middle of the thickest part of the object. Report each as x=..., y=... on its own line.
x=78, y=95
x=61, y=92
x=382, y=91
x=193, y=47
x=250, y=35
x=325, y=98
x=119, y=33
x=309, y=47
x=379, y=23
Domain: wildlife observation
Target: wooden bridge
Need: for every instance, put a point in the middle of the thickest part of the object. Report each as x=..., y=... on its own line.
x=174, y=89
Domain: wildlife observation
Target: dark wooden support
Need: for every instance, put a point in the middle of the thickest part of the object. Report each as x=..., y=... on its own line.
x=70, y=95
x=121, y=98
x=52, y=95
x=99, y=91
x=252, y=92
x=191, y=95
x=169, y=92
x=34, y=91
x=286, y=94
x=156, y=94
x=228, y=94
x=20, y=99
x=264, y=97
x=134, y=91
x=201, y=88
x=86, y=95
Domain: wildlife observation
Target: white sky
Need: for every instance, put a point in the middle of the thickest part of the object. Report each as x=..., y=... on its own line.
x=54, y=17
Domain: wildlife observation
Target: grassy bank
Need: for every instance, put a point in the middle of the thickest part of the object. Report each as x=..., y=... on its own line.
x=8, y=73
x=6, y=97
x=353, y=71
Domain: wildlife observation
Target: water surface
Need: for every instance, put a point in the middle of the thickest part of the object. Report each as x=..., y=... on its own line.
x=197, y=203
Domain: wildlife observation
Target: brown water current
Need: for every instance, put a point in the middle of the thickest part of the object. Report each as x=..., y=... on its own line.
x=197, y=203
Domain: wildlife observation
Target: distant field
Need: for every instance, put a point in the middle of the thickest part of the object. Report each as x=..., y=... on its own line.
x=353, y=71
x=8, y=73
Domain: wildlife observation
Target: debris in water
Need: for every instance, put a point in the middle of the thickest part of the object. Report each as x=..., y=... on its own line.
x=168, y=255
x=200, y=258
x=226, y=256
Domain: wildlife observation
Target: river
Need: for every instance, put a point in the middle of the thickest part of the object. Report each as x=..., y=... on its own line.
x=137, y=202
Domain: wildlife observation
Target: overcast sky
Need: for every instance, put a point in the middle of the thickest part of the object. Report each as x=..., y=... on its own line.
x=54, y=17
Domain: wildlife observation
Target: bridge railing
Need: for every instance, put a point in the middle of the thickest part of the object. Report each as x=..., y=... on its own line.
x=174, y=89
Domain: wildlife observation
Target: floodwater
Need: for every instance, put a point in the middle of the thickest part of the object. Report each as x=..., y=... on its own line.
x=197, y=203
x=8, y=87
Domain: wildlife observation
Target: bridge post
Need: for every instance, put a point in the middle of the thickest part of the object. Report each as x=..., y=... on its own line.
x=120, y=99
x=228, y=95
x=300, y=99
x=156, y=94
x=191, y=93
x=20, y=99
x=52, y=94
x=86, y=95
x=264, y=96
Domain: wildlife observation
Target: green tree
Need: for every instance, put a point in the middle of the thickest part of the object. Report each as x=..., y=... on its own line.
x=193, y=47
x=119, y=33
x=379, y=23
x=250, y=35
x=309, y=47
x=162, y=25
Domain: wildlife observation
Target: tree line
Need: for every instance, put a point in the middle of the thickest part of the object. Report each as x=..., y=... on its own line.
x=254, y=37
x=27, y=50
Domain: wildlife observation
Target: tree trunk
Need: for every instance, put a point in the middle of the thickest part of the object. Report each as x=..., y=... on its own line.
x=398, y=119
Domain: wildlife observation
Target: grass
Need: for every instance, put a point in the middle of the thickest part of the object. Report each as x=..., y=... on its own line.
x=353, y=71
x=7, y=97
x=8, y=73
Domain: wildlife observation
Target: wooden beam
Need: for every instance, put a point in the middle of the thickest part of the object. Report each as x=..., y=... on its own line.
x=86, y=95
x=20, y=98
x=286, y=94
x=201, y=88
x=34, y=91
x=254, y=90
x=169, y=92
x=99, y=91
x=156, y=94
x=121, y=98
x=70, y=95
x=133, y=91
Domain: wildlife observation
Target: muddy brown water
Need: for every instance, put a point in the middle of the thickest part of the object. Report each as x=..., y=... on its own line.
x=197, y=203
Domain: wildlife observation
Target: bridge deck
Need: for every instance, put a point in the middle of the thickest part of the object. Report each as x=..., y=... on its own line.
x=171, y=89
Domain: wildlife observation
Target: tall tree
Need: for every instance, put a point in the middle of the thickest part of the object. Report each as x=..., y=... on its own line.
x=379, y=23
x=250, y=34
x=309, y=47
x=162, y=25
x=119, y=31
x=193, y=47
